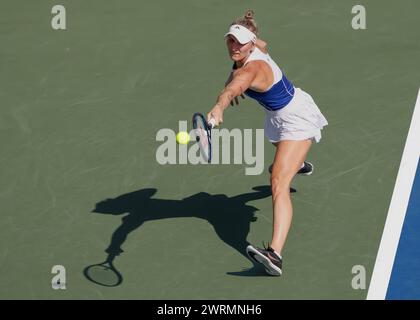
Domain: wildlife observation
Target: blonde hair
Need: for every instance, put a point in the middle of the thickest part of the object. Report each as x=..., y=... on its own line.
x=247, y=20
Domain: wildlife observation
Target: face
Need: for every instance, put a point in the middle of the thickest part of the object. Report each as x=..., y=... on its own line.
x=238, y=51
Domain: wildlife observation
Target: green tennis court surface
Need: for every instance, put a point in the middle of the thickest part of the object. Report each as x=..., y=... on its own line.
x=79, y=113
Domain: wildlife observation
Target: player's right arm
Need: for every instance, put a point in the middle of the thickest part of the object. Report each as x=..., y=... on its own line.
x=234, y=100
x=242, y=80
x=262, y=45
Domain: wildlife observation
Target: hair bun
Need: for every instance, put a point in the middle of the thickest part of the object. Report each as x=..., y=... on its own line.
x=249, y=15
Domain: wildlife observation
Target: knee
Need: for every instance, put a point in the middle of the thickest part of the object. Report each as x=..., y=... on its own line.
x=280, y=184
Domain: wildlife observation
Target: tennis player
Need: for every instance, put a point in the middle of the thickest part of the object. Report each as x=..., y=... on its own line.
x=293, y=122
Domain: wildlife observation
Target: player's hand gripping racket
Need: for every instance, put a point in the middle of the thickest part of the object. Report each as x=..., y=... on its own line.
x=202, y=130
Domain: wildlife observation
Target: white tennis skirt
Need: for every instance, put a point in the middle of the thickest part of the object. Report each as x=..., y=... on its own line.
x=301, y=119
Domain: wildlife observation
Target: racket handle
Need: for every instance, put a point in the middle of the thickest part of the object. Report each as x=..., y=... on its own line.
x=212, y=123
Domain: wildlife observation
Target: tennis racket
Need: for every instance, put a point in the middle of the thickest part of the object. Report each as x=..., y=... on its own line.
x=104, y=273
x=202, y=130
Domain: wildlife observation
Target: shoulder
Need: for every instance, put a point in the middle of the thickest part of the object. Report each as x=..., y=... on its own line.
x=255, y=65
x=251, y=68
x=262, y=45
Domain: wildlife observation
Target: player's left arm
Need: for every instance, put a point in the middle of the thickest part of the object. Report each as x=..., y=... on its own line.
x=241, y=81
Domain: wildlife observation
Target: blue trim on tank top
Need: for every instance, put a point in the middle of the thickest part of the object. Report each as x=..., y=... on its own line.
x=277, y=97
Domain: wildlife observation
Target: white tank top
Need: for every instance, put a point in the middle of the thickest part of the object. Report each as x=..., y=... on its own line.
x=257, y=54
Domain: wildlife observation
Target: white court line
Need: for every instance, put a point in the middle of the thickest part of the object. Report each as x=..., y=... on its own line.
x=397, y=209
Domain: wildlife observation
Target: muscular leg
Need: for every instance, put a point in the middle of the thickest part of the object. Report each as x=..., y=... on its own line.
x=287, y=161
x=270, y=169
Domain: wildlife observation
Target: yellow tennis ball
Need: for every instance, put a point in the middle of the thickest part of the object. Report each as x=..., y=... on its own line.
x=183, y=137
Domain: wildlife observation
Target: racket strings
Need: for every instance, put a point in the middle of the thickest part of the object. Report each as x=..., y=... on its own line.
x=203, y=137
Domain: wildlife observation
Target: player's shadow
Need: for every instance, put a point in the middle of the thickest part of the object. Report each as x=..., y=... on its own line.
x=230, y=217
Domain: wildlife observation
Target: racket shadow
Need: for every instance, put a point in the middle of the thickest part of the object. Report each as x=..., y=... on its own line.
x=104, y=274
x=230, y=217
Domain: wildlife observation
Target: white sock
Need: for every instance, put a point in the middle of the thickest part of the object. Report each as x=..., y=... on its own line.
x=303, y=164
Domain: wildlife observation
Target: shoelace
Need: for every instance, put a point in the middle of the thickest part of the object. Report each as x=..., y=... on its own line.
x=266, y=248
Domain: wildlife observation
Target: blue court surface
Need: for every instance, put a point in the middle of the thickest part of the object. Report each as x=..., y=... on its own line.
x=405, y=276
